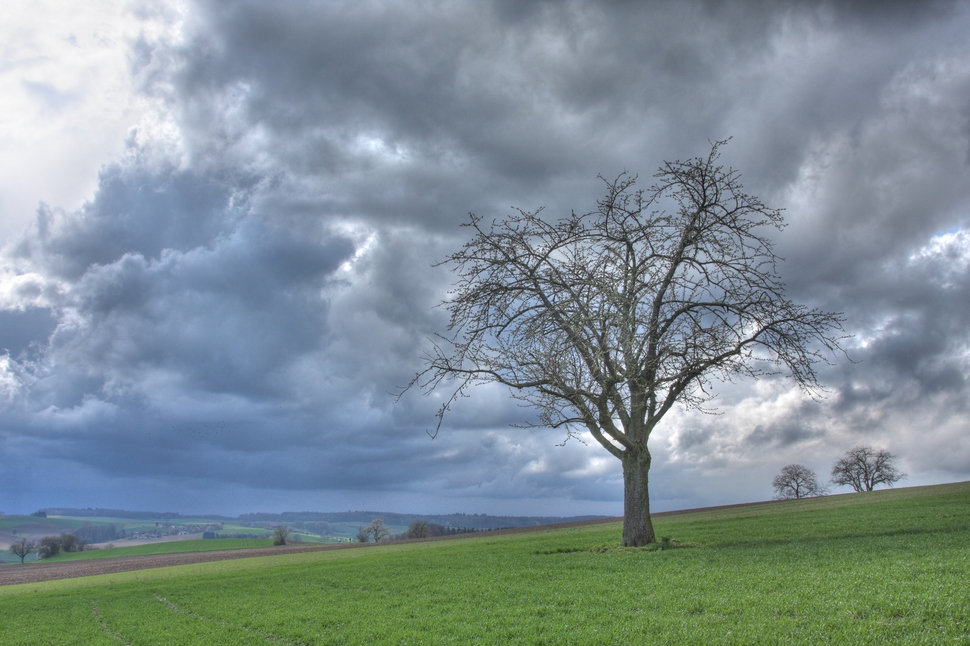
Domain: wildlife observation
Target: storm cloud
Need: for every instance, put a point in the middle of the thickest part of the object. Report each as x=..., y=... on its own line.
x=221, y=222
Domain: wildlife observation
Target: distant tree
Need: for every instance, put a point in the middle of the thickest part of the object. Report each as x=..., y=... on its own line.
x=797, y=481
x=322, y=528
x=434, y=529
x=418, y=529
x=280, y=532
x=22, y=548
x=378, y=530
x=40, y=514
x=363, y=536
x=49, y=546
x=71, y=543
x=96, y=533
x=863, y=468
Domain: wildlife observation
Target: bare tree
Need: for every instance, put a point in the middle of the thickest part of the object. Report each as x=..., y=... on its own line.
x=280, y=532
x=418, y=529
x=378, y=530
x=797, y=481
x=362, y=535
x=606, y=321
x=863, y=468
x=22, y=548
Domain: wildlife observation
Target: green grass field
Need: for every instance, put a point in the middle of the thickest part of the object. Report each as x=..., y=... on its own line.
x=879, y=568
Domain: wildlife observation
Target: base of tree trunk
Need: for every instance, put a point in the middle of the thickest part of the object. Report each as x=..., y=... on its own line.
x=637, y=526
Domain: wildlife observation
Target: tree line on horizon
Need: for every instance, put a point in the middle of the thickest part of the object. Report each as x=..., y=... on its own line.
x=378, y=532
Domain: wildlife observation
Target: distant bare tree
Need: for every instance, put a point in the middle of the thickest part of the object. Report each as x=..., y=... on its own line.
x=22, y=548
x=606, y=321
x=378, y=530
x=280, y=532
x=362, y=535
x=418, y=529
x=863, y=468
x=797, y=481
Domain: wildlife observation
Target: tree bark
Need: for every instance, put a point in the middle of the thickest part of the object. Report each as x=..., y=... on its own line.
x=637, y=526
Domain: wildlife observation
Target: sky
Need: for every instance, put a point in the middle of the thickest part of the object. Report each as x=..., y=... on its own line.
x=220, y=222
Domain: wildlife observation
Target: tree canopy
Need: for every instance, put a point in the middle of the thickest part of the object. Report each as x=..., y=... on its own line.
x=797, y=481
x=605, y=321
x=864, y=468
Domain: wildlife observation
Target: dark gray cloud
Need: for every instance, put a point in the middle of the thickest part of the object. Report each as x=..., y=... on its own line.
x=222, y=326
x=22, y=329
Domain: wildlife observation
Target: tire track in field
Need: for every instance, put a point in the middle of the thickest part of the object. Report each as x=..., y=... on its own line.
x=105, y=627
x=275, y=639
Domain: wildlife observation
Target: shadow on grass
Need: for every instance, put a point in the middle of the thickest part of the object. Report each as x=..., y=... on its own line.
x=664, y=544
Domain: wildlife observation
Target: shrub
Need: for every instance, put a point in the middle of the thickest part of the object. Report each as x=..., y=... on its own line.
x=280, y=532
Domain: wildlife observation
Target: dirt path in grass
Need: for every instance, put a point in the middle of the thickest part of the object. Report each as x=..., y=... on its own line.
x=40, y=571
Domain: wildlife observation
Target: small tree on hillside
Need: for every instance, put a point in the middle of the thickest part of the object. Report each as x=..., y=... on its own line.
x=378, y=530
x=280, y=532
x=22, y=548
x=797, y=481
x=863, y=468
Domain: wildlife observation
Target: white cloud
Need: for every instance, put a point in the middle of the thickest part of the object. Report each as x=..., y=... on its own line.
x=68, y=98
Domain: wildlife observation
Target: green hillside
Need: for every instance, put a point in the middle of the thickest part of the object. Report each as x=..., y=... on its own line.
x=884, y=567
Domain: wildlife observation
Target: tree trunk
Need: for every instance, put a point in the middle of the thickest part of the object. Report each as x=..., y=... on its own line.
x=637, y=526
